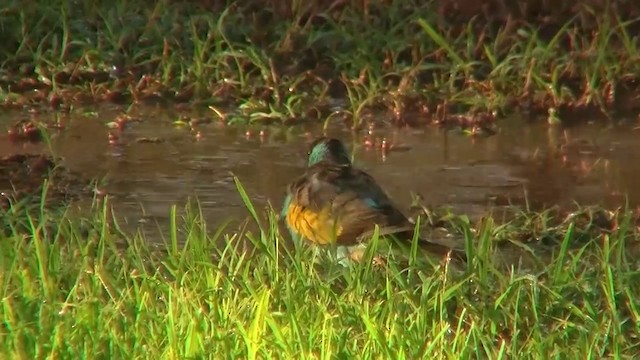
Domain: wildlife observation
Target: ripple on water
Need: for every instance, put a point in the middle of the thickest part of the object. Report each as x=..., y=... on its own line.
x=590, y=164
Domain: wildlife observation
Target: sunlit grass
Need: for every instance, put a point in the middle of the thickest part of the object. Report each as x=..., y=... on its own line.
x=75, y=287
x=254, y=65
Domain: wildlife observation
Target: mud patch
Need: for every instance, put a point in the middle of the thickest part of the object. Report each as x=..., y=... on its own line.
x=27, y=179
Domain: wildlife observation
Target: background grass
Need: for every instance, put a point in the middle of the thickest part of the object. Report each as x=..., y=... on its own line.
x=288, y=61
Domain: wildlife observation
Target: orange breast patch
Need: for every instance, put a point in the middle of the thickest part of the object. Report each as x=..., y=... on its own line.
x=317, y=227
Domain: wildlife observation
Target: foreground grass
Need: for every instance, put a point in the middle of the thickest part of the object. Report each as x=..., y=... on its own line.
x=288, y=61
x=75, y=287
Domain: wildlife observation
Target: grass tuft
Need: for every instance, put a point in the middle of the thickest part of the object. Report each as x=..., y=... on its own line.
x=287, y=62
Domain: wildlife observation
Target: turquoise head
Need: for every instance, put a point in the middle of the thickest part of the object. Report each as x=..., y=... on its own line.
x=329, y=150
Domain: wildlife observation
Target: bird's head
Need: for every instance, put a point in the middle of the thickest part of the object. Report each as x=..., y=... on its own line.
x=329, y=150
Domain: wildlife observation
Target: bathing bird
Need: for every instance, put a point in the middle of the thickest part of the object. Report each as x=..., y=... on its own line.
x=335, y=203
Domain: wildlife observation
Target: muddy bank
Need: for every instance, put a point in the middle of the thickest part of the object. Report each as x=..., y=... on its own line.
x=459, y=63
x=23, y=176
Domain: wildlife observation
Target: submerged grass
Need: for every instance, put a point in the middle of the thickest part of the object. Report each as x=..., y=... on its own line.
x=288, y=61
x=76, y=287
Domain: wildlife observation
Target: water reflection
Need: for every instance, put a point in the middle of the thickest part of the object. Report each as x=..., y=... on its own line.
x=537, y=165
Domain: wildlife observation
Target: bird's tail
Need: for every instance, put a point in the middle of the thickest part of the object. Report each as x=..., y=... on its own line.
x=404, y=236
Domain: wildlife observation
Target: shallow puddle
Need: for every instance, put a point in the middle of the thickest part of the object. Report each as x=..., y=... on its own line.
x=154, y=164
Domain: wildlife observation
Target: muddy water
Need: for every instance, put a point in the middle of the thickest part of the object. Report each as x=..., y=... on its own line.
x=523, y=165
